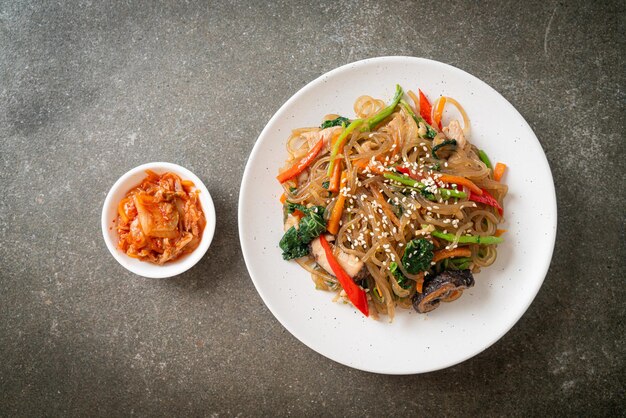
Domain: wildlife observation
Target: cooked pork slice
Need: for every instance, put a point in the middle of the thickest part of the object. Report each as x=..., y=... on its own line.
x=354, y=267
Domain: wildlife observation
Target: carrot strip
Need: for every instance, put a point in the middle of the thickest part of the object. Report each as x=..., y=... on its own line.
x=419, y=286
x=498, y=171
x=365, y=163
x=335, y=180
x=361, y=164
x=447, y=178
x=299, y=167
x=499, y=232
x=441, y=103
x=385, y=206
x=283, y=198
x=335, y=216
x=455, y=252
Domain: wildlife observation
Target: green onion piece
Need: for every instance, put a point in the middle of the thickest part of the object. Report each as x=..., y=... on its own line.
x=464, y=266
x=406, y=180
x=340, y=143
x=469, y=239
x=483, y=157
x=372, y=121
x=430, y=132
x=448, y=193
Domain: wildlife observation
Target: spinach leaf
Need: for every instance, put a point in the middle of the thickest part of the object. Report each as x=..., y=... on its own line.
x=417, y=255
x=292, y=246
x=339, y=121
x=402, y=280
x=430, y=132
x=436, y=148
x=295, y=242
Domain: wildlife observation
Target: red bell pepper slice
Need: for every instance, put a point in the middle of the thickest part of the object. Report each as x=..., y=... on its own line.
x=355, y=293
x=487, y=199
x=299, y=167
x=425, y=108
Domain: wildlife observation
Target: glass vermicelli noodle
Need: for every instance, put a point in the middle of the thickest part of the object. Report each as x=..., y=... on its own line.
x=392, y=208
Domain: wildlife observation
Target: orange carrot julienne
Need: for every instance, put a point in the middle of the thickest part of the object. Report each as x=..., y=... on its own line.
x=419, y=286
x=335, y=180
x=499, y=232
x=335, y=216
x=455, y=252
x=447, y=178
x=283, y=198
x=365, y=163
x=498, y=171
x=301, y=165
x=439, y=111
x=385, y=206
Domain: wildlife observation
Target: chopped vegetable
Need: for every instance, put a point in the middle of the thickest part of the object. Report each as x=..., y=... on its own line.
x=295, y=241
x=326, y=184
x=335, y=180
x=487, y=199
x=437, y=147
x=430, y=132
x=468, y=239
x=385, y=206
x=408, y=181
x=425, y=108
x=283, y=198
x=461, y=263
x=498, y=171
x=339, y=121
x=448, y=193
x=441, y=103
x=418, y=254
x=484, y=158
x=301, y=165
x=420, y=282
x=335, y=216
x=499, y=232
x=402, y=280
x=447, y=178
x=340, y=142
x=160, y=219
x=455, y=252
x=374, y=120
x=403, y=179
x=408, y=172
x=292, y=246
x=355, y=294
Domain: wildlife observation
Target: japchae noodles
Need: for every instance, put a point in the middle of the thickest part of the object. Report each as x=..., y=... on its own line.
x=391, y=209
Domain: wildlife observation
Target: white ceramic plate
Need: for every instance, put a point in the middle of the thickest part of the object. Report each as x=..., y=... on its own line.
x=455, y=331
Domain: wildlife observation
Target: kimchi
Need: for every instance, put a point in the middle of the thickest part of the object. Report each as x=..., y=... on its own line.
x=160, y=219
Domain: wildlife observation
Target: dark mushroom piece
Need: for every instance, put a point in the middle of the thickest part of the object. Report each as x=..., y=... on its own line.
x=445, y=287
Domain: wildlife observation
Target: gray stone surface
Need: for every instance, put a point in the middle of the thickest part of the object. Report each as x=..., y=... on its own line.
x=89, y=90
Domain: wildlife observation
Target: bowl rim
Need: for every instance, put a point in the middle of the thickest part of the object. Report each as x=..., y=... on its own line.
x=170, y=269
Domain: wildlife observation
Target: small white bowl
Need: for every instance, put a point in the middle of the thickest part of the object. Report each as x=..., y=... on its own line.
x=109, y=222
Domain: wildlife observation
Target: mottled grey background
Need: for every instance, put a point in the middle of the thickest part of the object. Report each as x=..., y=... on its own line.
x=91, y=89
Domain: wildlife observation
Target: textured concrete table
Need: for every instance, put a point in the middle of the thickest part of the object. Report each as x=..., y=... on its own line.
x=89, y=90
